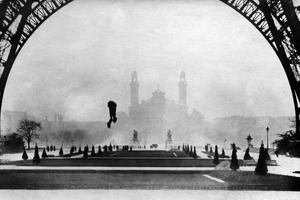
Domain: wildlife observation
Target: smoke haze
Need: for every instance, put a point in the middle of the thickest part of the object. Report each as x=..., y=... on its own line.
x=83, y=57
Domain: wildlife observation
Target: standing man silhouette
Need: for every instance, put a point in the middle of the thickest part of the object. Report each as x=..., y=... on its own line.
x=112, y=112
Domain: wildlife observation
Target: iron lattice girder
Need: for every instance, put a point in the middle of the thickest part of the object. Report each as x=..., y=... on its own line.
x=41, y=10
x=278, y=29
x=252, y=11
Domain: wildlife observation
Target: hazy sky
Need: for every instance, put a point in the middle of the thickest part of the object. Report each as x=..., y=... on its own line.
x=83, y=56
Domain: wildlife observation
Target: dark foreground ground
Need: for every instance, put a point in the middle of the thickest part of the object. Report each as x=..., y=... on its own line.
x=149, y=179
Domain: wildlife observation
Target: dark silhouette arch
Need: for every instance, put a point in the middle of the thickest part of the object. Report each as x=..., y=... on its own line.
x=276, y=20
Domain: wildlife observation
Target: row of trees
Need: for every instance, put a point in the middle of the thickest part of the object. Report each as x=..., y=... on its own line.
x=288, y=142
x=13, y=143
x=261, y=166
x=234, y=164
x=73, y=150
x=101, y=150
x=28, y=130
x=190, y=150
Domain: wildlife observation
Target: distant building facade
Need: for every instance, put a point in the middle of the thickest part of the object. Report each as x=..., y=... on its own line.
x=157, y=109
x=11, y=120
x=153, y=117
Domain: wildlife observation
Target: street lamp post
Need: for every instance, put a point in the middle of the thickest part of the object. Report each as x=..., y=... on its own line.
x=267, y=137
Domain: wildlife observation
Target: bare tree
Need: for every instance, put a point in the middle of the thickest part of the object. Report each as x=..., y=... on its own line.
x=28, y=129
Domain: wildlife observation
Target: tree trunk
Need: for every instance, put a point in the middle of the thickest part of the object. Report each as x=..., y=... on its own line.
x=28, y=142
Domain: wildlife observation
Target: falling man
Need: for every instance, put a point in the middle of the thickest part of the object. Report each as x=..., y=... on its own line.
x=112, y=112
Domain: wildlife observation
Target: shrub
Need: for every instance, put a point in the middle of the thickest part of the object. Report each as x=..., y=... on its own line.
x=223, y=153
x=195, y=153
x=36, y=158
x=79, y=150
x=99, y=150
x=234, y=165
x=44, y=154
x=267, y=154
x=247, y=155
x=261, y=166
x=191, y=151
x=93, y=151
x=211, y=151
x=206, y=148
x=85, y=152
x=12, y=143
x=24, y=156
x=72, y=149
x=216, y=160
x=105, y=149
x=61, y=152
